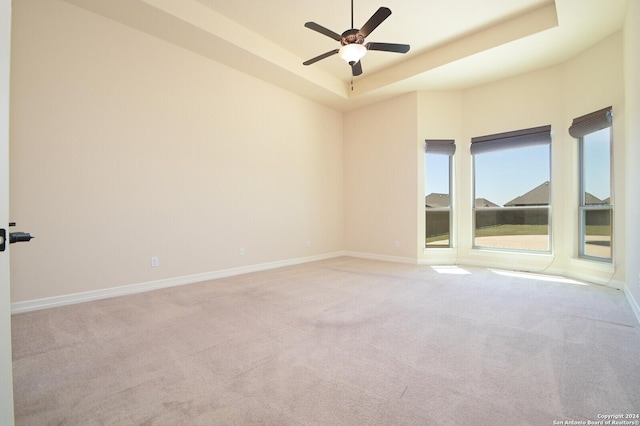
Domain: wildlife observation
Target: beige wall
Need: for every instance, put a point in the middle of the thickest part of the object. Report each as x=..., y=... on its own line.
x=594, y=80
x=555, y=95
x=520, y=102
x=590, y=81
x=632, y=137
x=440, y=117
x=587, y=82
x=381, y=180
x=125, y=147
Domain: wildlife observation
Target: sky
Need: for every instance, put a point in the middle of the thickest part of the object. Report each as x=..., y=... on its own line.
x=597, y=154
x=504, y=175
x=501, y=175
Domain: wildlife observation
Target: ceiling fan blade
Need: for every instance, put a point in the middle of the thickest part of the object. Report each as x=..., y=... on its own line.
x=375, y=20
x=320, y=57
x=356, y=69
x=322, y=30
x=388, y=47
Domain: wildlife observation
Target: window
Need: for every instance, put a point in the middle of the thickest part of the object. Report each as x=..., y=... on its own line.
x=512, y=190
x=438, y=172
x=595, y=207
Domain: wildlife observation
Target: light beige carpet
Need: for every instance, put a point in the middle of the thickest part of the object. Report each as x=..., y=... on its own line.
x=338, y=342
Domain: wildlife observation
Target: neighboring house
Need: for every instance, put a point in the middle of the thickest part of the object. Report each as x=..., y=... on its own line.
x=539, y=196
x=483, y=202
x=436, y=200
x=437, y=222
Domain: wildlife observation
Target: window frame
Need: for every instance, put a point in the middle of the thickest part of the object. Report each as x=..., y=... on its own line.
x=583, y=208
x=442, y=209
x=548, y=207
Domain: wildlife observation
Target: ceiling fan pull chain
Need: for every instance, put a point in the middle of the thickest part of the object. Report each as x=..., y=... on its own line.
x=352, y=84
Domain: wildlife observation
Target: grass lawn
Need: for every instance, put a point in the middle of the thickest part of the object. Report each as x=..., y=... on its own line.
x=599, y=230
x=509, y=229
x=499, y=230
x=442, y=237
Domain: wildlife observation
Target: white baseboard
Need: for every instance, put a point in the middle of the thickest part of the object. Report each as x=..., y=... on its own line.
x=87, y=296
x=635, y=307
x=383, y=257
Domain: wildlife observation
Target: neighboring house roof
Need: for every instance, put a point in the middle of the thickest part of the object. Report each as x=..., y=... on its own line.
x=483, y=202
x=538, y=196
x=596, y=200
x=435, y=200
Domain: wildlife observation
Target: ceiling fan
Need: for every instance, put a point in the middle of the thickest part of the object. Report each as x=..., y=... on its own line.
x=352, y=41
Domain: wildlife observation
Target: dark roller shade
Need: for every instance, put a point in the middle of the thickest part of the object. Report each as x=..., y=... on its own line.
x=590, y=123
x=515, y=139
x=440, y=146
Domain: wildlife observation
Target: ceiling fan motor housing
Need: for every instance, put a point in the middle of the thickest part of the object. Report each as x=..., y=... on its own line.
x=352, y=36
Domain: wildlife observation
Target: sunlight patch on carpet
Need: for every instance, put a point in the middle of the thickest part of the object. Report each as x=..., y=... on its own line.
x=537, y=277
x=450, y=269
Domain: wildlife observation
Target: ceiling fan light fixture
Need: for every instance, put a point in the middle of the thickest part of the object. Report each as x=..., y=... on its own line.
x=352, y=53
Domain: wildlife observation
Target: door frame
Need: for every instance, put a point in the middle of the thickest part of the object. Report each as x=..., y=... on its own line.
x=6, y=373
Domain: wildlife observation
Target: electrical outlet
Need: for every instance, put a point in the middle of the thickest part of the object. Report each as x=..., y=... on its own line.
x=242, y=251
x=308, y=243
x=155, y=262
x=396, y=244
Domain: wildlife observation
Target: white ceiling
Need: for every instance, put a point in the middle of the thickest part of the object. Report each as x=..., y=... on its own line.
x=454, y=43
